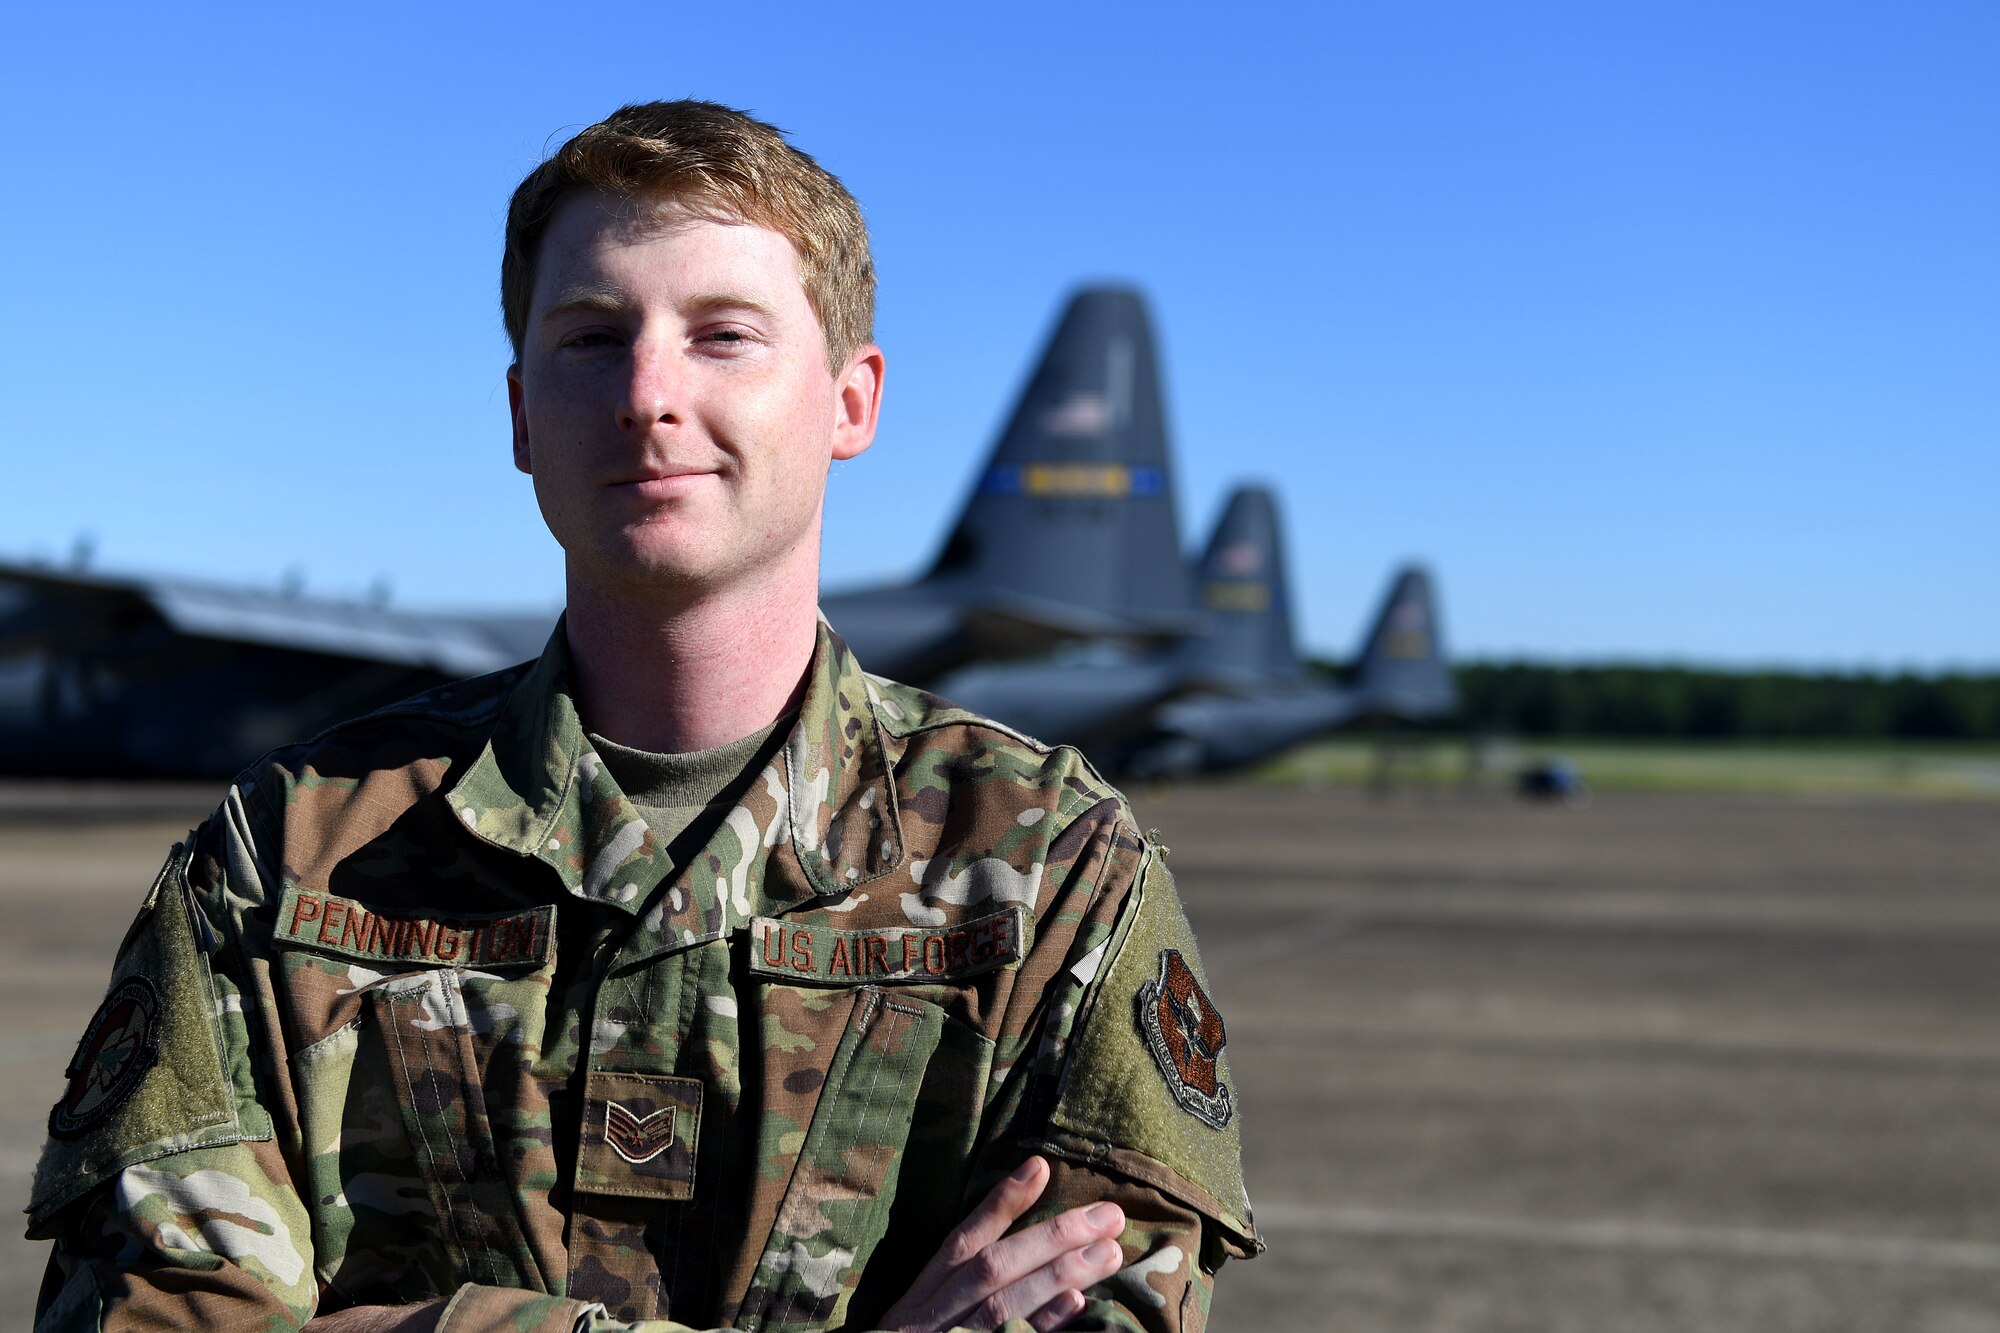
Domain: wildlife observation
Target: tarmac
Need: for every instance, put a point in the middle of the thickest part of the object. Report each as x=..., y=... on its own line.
x=1691, y=1063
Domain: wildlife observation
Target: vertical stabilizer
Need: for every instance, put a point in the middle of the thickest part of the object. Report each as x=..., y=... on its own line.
x=1402, y=669
x=1242, y=588
x=1076, y=504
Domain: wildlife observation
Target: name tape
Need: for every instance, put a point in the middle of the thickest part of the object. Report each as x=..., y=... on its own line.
x=343, y=926
x=809, y=955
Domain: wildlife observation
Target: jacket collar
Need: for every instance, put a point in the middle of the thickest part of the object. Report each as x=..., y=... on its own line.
x=538, y=789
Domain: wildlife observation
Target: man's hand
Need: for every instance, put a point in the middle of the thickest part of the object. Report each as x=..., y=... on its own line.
x=981, y=1277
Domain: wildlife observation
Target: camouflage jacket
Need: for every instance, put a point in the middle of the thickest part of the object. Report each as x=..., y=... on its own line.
x=424, y=1013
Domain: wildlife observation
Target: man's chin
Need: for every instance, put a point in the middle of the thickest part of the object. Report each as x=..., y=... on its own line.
x=649, y=569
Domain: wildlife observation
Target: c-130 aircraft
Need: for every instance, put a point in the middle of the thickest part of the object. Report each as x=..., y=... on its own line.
x=1068, y=537
x=1234, y=692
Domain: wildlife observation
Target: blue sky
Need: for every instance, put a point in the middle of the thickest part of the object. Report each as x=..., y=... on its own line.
x=1657, y=330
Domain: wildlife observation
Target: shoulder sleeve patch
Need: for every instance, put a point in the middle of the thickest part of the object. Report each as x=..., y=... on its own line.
x=148, y=1077
x=1147, y=1089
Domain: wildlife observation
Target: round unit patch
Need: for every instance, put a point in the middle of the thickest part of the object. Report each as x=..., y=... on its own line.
x=1186, y=1036
x=117, y=1049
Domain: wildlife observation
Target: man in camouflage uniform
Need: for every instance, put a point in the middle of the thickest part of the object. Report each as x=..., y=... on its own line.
x=447, y=1020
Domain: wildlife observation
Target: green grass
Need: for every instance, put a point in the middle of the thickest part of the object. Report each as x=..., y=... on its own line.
x=1913, y=770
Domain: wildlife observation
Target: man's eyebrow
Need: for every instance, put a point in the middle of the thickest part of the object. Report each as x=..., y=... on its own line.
x=573, y=299
x=709, y=303
x=609, y=300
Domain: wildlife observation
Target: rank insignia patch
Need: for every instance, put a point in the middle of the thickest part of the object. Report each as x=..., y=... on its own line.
x=636, y=1138
x=117, y=1049
x=1186, y=1036
x=641, y=1134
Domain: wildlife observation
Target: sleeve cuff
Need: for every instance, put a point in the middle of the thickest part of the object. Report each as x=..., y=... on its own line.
x=477, y=1309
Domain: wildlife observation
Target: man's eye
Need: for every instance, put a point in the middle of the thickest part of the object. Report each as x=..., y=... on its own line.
x=589, y=338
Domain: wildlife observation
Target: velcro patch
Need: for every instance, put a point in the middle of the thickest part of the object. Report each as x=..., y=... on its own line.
x=820, y=955
x=117, y=1049
x=355, y=930
x=1159, y=1109
x=149, y=1077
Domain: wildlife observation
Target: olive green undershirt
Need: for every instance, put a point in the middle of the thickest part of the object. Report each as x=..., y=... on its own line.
x=672, y=792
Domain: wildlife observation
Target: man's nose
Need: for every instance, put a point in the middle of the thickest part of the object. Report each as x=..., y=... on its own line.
x=652, y=389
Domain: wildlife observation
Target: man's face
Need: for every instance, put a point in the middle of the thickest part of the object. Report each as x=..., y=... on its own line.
x=673, y=401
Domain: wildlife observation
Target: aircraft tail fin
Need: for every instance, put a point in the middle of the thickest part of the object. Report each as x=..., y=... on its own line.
x=1075, y=504
x=1243, y=588
x=1402, y=670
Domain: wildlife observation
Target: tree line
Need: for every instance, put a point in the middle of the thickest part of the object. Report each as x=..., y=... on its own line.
x=1536, y=699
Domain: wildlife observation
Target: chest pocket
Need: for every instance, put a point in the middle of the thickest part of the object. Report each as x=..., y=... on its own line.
x=848, y=1172
x=433, y=1068
x=393, y=1096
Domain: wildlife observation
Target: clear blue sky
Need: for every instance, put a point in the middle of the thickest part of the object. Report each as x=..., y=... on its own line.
x=1658, y=330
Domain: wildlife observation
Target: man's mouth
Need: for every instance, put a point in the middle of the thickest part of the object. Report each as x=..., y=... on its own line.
x=663, y=484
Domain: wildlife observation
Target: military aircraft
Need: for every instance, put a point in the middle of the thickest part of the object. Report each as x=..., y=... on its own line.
x=1401, y=676
x=1068, y=537
x=1069, y=531
x=159, y=677
x=1236, y=690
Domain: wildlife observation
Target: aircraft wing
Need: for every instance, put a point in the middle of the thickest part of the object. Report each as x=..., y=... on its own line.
x=922, y=632
x=1083, y=704
x=1224, y=732
x=59, y=607
x=108, y=676
x=1044, y=623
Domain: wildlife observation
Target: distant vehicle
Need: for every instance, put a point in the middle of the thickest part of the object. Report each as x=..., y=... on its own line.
x=1554, y=780
x=1069, y=531
x=1233, y=692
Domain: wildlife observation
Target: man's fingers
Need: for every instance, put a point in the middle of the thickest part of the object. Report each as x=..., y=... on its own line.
x=1049, y=1287
x=1000, y=1209
x=983, y=1277
x=1057, y=1312
x=1047, y=1254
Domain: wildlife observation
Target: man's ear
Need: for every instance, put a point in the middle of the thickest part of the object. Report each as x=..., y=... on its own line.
x=856, y=409
x=517, y=401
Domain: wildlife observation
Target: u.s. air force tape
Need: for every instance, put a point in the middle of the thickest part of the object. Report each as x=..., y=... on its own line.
x=820, y=955
x=421, y=939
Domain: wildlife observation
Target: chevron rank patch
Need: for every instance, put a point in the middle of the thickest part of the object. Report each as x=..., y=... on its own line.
x=640, y=1132
x=117, y=1049
x=638, y=1138
x=1186, y=1036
